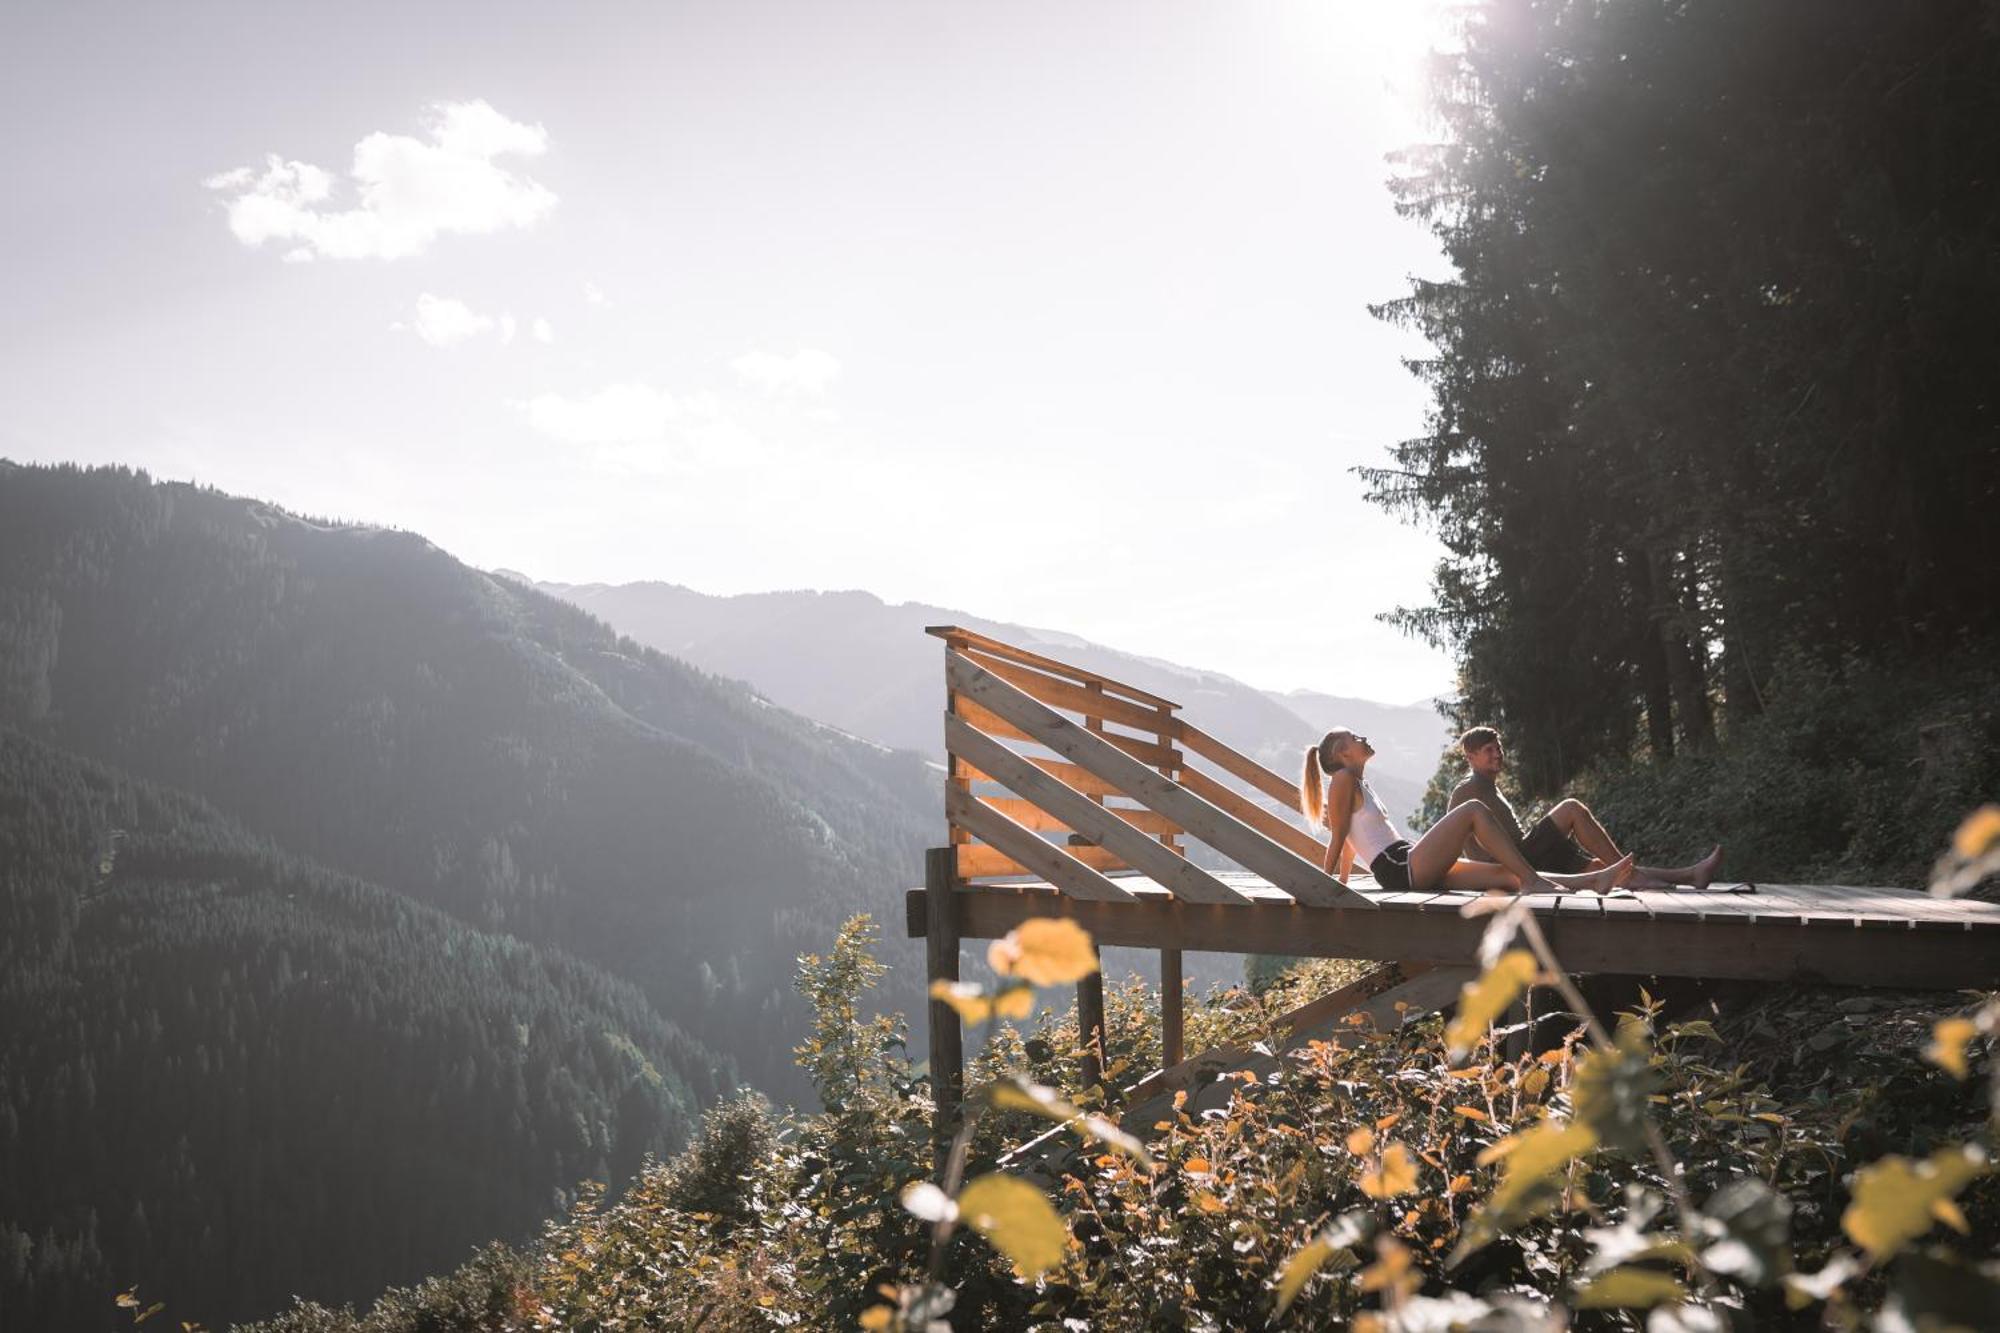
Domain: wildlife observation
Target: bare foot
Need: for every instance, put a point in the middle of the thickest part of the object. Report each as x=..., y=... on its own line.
x=1609, y=878
x=1702, y=873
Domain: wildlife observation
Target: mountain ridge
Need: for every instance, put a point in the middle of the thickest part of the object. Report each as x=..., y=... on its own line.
x=860, y=662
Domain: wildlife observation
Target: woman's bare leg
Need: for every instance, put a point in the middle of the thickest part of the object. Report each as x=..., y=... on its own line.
x=1479, y=876
x=1595, y=881
x=1433, y=855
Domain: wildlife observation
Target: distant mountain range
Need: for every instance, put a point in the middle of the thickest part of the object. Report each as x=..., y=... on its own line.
x=853, y=661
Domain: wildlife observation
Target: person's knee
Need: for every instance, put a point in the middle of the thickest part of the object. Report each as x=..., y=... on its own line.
x=1569, y=808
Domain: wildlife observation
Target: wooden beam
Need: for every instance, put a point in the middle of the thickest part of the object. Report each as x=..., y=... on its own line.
x=1029, y=815
x=1087, y=699
x=1076, y=779
x=953, y=635
x=1831, y=953
x=978, y=861
x=1238, y=764
x=1041, y=857
x=1252, y=814
x=1219, y=829
x=1090, y=1027
x=1184, y=878
x=1173, y=1018
x=947, y=1038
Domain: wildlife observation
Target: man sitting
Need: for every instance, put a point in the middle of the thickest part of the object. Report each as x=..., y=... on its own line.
x=1568, y=840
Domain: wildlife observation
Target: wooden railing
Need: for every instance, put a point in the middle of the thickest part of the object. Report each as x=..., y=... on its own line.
x=1111, y=791
x=1114, y=784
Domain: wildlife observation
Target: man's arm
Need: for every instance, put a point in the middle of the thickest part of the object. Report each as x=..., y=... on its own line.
x=1461, y=794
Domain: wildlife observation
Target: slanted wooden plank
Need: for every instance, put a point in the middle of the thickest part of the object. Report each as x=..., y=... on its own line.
x=1254, y=815
x=1219, y=829
x=1238, y=764
x=986, y=720
x=1071, y=776
x=1051, y=862
x=954, y=636
x=978, y=861
x=1029, y=815
x=1080, y=699
x=1184, y=877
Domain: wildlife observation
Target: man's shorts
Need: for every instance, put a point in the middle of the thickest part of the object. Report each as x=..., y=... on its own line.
x=1551, y=851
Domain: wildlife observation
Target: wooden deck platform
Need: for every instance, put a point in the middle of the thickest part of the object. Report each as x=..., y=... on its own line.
x=1070, y=794
x=1829, y=934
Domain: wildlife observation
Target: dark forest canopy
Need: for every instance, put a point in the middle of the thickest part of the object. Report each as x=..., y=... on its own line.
x=234, y=1074
x=1713, y=389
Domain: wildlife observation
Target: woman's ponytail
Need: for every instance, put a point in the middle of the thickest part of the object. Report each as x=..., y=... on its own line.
x=1312, y=789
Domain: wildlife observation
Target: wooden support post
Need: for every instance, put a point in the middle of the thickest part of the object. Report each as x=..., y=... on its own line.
x=956, y=776
x=1172, y=1023
x=1090, y=1025
x=947, y=1039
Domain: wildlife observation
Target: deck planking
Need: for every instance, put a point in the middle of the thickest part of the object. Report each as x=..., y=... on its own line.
x=1835, y=934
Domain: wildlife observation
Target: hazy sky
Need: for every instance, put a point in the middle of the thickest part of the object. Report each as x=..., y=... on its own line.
x=1049, y=312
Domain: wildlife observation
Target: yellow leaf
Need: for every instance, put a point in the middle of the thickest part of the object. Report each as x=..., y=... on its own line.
x=1535, y=1082
x=1631, y=1289
x=1390, y=1271
x=1459, y=1184
x=968, y=998
x=878, y=1317
x=1196, y=1166
x=1208, y=1203
x=1388, y=1121
x=1536, y=1154
x=1046, y=951
x=1300, y=1268
x=1396, y=1175
x=1947, y=1048
x=1947, y=1212
x=1470, y=1113
x=1016, y=1219
x=1979, y=834
x=1894, y=1198
x=1481, y=1002
x=1361, y=1142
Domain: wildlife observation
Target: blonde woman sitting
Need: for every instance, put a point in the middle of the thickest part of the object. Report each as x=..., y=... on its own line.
x=1335, y=796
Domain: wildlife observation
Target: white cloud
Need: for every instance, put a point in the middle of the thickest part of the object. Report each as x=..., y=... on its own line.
x=443, y=322
x=507, y=327
x=808, y=371
x=594, y=294
x=617, y=414
x=635, y=427
x=543, y=332
x=410, y=191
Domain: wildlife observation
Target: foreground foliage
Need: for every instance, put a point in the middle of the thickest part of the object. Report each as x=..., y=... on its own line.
x=1758, y=1164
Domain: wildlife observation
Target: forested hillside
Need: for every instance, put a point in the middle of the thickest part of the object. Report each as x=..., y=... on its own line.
x=233, y=1072
x=363, y=699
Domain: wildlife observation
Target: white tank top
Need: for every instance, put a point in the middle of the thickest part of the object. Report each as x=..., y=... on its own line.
x=1370, y=830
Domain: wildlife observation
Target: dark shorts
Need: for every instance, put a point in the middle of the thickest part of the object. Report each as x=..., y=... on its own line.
x=1391, y=867
x=1551, y=851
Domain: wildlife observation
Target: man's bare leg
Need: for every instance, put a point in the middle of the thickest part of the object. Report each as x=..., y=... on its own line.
x=1576, y=821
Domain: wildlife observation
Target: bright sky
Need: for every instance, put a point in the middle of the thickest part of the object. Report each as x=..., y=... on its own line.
x=1050, y=312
